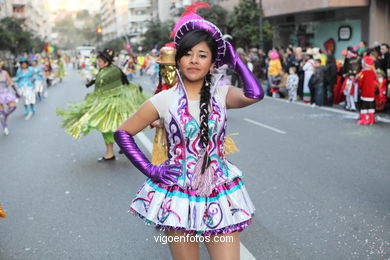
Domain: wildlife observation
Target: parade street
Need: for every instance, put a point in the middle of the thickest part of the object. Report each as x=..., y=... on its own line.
x=319, y=182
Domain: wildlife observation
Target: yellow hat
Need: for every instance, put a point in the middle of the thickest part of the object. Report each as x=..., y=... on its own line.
x=167, y=56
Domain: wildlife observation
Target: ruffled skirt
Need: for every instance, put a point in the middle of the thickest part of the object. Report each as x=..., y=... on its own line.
x=28, y=94
x=228, y=209
x=7, y=95
x=102, y=110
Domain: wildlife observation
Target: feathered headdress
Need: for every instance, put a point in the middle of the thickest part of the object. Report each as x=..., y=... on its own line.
x=190, y=21
x=189, y=14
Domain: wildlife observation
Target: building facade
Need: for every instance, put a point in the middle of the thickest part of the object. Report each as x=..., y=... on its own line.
x=115, y=18
x=140, y=12
x=108, y=16
x=34, y=15
x=317, y=23
x=129, y=18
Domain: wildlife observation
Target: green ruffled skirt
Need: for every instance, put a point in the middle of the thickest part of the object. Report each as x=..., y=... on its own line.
x=103, y=110
x=61, y=73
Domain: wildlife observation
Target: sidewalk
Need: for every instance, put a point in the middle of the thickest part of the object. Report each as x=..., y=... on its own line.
x=146, y=82
x=381, y=117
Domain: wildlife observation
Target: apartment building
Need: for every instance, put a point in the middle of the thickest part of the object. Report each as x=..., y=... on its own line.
x=33, y=14
x=129, y=18
x=114, y=14
x=140, y=12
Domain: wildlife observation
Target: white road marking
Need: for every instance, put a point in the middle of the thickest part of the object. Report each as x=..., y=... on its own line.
x=145, y=141
x=266, y=126
x=330, y=109
x=244, y=252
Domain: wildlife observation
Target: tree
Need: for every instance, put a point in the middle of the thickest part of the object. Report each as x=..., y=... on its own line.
x=78, y=31
x=216, y=14
x=14, y=38
x=157, y=33
x=117, y=44
x=245, y=24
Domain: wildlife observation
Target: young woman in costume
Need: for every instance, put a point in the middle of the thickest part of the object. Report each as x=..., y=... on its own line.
x=7, y=97
x=113, y=100
x=168, y=79
x=196, y=190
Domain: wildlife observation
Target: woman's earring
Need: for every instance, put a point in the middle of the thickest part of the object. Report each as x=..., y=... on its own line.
x=208, y=79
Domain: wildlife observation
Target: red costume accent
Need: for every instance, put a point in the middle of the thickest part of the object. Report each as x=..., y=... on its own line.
x=337, y=88
x=189, y=14
x=367, y=81
x=351, y=88
x=380, y=98
x=161, y=87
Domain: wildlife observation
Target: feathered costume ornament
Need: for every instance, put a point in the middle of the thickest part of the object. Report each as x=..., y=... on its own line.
x=2, y=213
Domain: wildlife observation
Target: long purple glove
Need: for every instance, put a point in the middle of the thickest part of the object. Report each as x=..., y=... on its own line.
x=252, y=89
x=161, y=173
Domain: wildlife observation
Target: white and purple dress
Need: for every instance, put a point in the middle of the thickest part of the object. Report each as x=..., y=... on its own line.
x=227, y=208
x=7, y=95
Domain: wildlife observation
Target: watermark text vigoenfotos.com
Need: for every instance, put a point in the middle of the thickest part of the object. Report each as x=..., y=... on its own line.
x=163, y=239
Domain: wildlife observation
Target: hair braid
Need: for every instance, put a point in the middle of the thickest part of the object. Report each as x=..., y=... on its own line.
x=204, y=111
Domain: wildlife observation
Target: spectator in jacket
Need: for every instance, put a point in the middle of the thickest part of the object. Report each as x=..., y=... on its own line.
x=330, y=79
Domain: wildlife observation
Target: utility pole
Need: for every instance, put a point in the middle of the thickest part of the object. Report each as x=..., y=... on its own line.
x=261, y=41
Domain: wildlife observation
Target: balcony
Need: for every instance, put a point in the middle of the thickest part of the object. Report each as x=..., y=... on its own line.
x=140, y=18
x=139, y=4
x=20, y=2
x=19, y=15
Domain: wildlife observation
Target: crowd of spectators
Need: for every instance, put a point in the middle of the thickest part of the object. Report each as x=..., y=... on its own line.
x=314, y=75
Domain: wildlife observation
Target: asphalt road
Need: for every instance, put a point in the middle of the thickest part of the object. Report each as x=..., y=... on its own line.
x=319, y=181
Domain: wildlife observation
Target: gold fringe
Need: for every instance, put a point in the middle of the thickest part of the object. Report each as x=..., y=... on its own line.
x=230, y=145
x=160, y=151
x=2, y=213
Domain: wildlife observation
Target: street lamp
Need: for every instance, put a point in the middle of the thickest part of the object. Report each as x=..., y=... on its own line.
x=261, y=40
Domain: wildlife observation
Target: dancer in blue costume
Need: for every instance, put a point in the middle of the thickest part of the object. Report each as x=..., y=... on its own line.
x=24, y=79
x=197, y=191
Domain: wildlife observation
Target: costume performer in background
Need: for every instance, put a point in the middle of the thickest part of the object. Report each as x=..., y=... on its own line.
x=60, y=69
x=7, y=97
x=367, y=82
x=380, y=91
x=24, y=79
x=48, y=71
x=350, y=89
x=196, y=190
x=167, y=80
x=113, y=100
x=292, y=84
x=39, y=85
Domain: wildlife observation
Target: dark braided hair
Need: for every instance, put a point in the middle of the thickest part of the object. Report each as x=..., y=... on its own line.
x=205, y=96
x=190, y=40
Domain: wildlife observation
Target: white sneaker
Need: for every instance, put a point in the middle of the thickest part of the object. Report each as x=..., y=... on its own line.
x=313, y=105
x=6, y=131
x=29, y=115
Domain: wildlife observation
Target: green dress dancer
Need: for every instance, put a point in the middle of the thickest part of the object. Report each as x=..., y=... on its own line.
x=111, y=103
x=61, y=70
